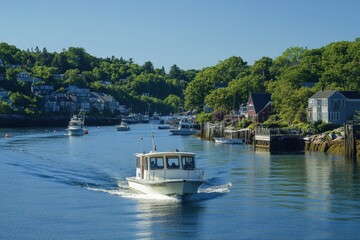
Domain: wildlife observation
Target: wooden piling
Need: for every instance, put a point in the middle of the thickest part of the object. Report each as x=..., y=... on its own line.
x=352, y=133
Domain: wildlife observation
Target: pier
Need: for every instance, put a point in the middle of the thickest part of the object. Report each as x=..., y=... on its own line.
x=277, y=140
x=211, y=130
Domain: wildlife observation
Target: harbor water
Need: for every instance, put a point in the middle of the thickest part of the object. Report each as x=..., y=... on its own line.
x=54, y=186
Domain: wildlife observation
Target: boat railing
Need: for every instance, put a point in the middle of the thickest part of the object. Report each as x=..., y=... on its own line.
x=157, y=175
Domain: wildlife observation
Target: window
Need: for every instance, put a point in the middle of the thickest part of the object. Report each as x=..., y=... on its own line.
x=156, y=163
x=325, y=102
x=334, y=116
x=172, y=162
x=188, y=162
x=146, y=164
x=137, y=162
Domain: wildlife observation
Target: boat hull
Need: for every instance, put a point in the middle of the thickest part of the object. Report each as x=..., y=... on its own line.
x=170, y=187
x=182, y=132
x=76, y=131
x=123, y=128
x=229, y=141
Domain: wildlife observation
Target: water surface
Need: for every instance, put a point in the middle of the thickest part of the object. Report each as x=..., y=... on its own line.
x=54, y=186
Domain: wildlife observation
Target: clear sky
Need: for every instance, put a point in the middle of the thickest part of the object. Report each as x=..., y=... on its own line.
x=192, y=34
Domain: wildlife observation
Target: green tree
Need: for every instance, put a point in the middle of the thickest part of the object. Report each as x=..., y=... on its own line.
x=148, y=67
x=74, y=77
x=207, y=79
x=173, y=101
x=220, y=98
x=45, y=73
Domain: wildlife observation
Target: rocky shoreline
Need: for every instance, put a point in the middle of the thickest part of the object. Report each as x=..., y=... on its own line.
x=333, y=143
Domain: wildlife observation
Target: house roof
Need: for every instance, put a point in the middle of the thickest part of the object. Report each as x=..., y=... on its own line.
x=260, y=100
x=329, y=93
x=323, y=94
x=351, y=94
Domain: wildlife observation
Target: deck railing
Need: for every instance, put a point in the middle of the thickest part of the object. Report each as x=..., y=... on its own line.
x=156, y=175
x=276, y=131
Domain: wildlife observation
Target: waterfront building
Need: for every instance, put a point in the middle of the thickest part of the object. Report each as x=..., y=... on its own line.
x=259, y=107
x=333, y=106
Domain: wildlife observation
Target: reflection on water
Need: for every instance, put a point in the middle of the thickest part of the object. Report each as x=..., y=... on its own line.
x=163, y=219
x=328, y=189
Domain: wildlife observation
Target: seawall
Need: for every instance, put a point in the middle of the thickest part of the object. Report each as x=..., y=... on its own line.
x=335, y=146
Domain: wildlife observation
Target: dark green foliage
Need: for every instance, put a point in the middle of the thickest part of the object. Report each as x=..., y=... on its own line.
x=222, y=87
x=128, y=81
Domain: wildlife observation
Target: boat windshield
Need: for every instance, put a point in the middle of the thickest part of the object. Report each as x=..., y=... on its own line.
x=172, y=162
x=184, y=126
x=188, y=162
x=156, y=163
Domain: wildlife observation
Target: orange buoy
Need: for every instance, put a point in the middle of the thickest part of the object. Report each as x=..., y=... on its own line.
x=86, y=131
x=7, y=135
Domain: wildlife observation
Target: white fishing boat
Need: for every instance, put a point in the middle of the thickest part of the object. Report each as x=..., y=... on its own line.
x=76, y=125
x=132, y=118
x=166, y=173
x=229, y=140
x=123, y=126
x=183, y=128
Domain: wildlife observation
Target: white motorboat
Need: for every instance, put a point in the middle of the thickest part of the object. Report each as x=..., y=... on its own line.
x=123, y=126
x=132, y=118
x=76, y=125
x=166, y=173
x=184, y=128
x=229, y=140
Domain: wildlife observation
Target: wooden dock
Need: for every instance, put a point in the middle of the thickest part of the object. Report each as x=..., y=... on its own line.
x=277, y=140
x=211, y=130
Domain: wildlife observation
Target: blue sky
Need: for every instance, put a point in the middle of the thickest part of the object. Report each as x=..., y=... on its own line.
x=192, y=34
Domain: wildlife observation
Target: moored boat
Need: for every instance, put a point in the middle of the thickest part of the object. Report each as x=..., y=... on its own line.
x=166, y=173
x=229, y=140
x=183, y=128
x=76, y=125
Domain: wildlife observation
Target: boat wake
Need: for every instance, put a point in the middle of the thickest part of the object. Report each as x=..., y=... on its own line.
x=206, y=192
x=124, y=191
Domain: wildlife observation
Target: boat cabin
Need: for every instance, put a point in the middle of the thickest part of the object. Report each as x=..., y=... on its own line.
x=166, y=165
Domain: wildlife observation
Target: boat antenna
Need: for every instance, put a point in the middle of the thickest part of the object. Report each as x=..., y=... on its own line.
x=152, y=139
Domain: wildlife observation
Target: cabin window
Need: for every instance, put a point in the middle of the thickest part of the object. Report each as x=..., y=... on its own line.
x=188, y=162
x=156, y=163
x=146, y=164
x=138, y=162
x=172, y=162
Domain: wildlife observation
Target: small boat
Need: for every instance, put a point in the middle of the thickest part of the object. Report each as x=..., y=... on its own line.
x=229, y=140
x=166, y=173
x=132, y=118
x=184, y=128
x=156, y=118
x=123, y=126
x=144, y=118
x=76, y=125
x=162, y=127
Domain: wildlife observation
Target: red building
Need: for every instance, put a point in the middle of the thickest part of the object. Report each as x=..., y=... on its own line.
x=259, y=107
